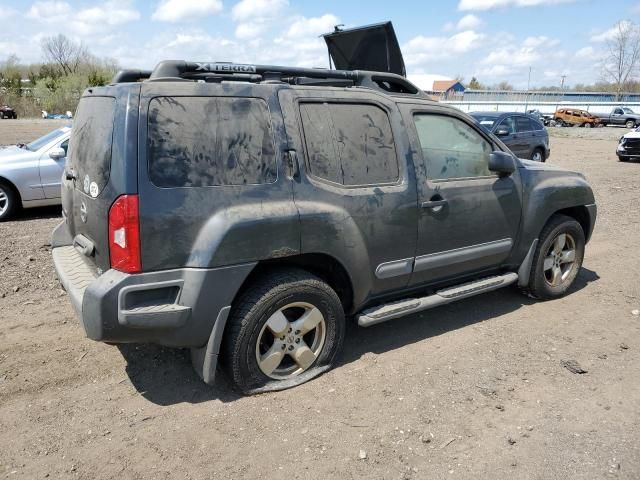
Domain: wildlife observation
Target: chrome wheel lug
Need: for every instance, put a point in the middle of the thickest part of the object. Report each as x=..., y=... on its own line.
x=290, y=347
x=297, y=340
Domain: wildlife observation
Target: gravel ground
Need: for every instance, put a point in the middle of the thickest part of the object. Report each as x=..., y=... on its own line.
x=472, y=390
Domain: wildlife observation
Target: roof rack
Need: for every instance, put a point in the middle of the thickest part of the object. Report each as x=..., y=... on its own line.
x=172, y=70
x=126, y=76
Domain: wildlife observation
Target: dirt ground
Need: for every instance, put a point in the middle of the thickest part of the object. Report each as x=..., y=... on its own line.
x=474, y=390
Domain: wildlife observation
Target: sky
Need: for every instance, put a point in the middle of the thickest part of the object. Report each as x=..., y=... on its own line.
x=493, y=40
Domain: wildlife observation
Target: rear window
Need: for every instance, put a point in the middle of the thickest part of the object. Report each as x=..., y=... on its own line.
x=209, y=141
x=90, y=144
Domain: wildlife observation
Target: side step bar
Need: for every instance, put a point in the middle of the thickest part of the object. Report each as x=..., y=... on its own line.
x=389, y=311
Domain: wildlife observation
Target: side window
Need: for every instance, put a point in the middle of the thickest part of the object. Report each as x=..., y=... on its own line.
x=536, y=125
x=618, y=111
x=451, y=148
x=507, y=124
x=207, y=141
x=523, y=125
x=349, y=144
x=65, y=146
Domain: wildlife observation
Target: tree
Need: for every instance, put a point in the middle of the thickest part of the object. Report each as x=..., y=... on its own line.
x=504, y=85
x=65, y=53
x=474, y=84
x=623, y=56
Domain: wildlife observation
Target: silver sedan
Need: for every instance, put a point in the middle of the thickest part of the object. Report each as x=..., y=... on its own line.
x=31, y=174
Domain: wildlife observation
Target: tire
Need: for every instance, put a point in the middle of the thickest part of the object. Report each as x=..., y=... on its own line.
x=9, y=201
x=15, y=116
x=537, y=155
x=547, y=284
x=270, y=307
x=587, y=125
x=630, y=124
x=623, y=159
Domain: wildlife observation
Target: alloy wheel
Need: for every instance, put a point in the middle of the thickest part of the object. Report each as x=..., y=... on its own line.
x=537, y=156
x=560, y=259
x=291, y=340
x=4, y=202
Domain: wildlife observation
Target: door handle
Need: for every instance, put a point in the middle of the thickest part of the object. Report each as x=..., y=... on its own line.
x=434, y=203
x=70, y=174
x=293, y=168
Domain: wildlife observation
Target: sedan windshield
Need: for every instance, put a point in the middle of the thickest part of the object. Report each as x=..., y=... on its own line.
x=42, y=141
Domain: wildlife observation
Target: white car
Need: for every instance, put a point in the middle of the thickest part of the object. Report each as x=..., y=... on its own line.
x=629, y=146
x=31, y=174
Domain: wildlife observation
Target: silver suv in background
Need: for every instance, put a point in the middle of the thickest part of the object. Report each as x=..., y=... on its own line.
x=30, y=174
x=524, y=134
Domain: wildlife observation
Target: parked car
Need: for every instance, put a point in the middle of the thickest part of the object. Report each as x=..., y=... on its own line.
x=570, y=117
x=30, y=174
x=523, y=134
x=620, y=116
x=546, y=119
x=629, y=146
x=8, y=112
x=248, y=221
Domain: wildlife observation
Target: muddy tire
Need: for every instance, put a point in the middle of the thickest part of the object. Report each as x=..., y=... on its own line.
x=285, y=329
x=557, y=259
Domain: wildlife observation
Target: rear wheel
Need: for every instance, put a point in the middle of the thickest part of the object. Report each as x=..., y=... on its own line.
x=587, y=125
x=8, y=201
x=630, y=124
x=538, y=155
x=558, y=258
x=286, y=329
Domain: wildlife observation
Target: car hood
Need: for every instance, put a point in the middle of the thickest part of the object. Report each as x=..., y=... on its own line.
x=633, y=134
x=545, y=167
x=12, y=152
x=373, y=47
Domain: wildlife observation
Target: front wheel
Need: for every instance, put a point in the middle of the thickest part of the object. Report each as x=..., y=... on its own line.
x=558, y=258
x=286, y=329
x=8, y=201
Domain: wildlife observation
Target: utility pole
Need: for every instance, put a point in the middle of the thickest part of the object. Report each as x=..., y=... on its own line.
x=526, y=101
x=562, y=83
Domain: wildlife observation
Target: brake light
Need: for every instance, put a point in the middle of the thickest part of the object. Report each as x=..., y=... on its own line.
x=124, y=234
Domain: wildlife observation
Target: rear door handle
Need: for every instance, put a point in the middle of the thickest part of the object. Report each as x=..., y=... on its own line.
x=434, y=203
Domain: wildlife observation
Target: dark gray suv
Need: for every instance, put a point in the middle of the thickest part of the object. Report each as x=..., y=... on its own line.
x=245, y=212
x=524, y=134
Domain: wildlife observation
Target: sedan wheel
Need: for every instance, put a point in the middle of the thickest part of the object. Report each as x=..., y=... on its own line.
x=8, y=201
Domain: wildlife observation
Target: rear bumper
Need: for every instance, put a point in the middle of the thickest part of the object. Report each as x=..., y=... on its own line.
x=175, y=307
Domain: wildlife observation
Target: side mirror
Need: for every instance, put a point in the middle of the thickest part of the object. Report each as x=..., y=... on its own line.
x=57, y=153
x=501, y=162
x=502, y=132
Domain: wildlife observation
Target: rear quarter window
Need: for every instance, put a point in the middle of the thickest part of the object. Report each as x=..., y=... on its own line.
x=209, y=141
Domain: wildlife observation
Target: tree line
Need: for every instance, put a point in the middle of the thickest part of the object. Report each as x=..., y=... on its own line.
x=55, y=84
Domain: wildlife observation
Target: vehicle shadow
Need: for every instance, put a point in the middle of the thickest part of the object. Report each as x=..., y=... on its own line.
x=165, y=376
x=27, y=214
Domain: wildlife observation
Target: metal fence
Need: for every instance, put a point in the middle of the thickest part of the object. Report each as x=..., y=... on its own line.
x=544, y=107
x=544, y=97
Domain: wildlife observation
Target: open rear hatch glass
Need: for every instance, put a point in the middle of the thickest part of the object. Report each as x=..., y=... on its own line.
x=373, y=47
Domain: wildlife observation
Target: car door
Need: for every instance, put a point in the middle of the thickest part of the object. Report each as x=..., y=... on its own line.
x=513, y=140
x=617, y=116
x=469, y=216
x=355, y=193
x=525, y=133
x=51, y=169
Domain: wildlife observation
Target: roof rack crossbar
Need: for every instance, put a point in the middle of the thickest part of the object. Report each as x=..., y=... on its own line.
x=125, y=76
x=388, y=82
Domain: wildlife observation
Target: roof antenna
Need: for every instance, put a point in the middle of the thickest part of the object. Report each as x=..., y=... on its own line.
x=337, y=28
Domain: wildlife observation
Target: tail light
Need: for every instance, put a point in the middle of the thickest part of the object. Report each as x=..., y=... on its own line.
x=124, y=234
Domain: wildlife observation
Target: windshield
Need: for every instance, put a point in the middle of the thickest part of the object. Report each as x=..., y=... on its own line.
x=627, y=110
x=49, y=137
